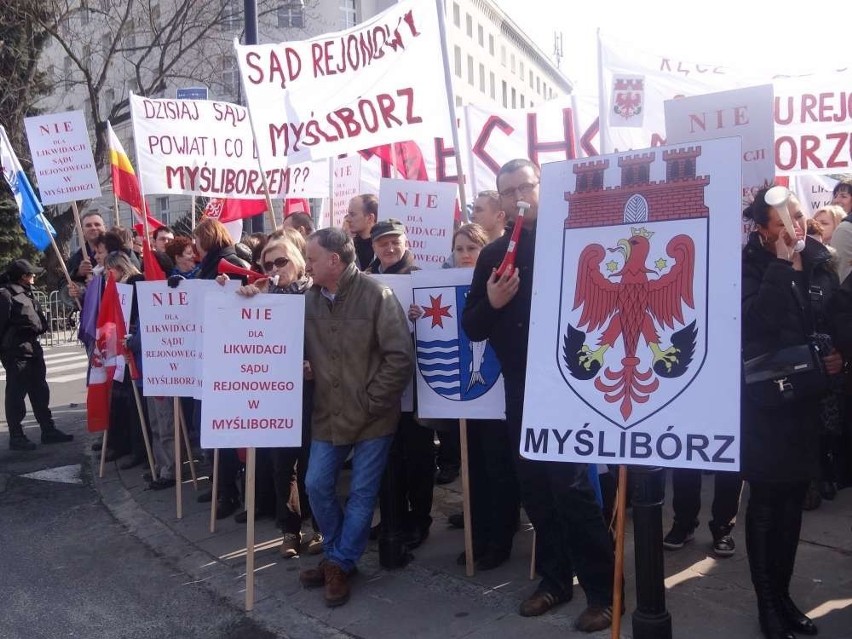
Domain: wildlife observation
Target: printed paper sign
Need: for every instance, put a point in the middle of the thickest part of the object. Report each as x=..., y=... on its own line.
x=401, y=287
x=635, y=321
x=206, y=147
x=125, y=298
x=171, y=324
x=346, y=178
x=381, y=81
x=62, y=157
x=456, y=378
x=427, y=209
x=253, y=356
x=746, y=113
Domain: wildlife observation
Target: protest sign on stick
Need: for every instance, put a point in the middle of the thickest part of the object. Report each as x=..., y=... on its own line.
x=252, y=393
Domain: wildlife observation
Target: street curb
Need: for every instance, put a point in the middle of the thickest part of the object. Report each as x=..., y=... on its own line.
x=275, y=614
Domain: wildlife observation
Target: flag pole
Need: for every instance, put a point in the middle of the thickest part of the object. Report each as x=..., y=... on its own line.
x=188, y=447
x=145, y=437
x=79, y=224
x=59, y=257
x=192, y=210
x=116, y=215
x=178, y=460
x=451, y=104
x=618, y=575
x=250, y=481
x=466, y=514
x=214, y=491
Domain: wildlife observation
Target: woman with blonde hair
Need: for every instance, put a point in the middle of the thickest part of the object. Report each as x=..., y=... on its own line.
x=829, y=217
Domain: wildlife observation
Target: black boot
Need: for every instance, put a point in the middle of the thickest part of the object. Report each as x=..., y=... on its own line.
x=787, y=537
x=759, y=534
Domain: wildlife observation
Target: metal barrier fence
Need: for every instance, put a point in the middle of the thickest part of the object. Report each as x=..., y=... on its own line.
x=63, y=318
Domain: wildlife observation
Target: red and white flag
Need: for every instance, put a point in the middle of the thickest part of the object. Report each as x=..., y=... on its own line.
x=107, y=362
x=231, y=208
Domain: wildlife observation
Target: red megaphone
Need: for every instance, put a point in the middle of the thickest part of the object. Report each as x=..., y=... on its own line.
x=226, y=268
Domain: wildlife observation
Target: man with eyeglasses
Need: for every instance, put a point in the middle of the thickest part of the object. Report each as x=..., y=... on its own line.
x=21, y=322
x=570, y=531
x=360, y=219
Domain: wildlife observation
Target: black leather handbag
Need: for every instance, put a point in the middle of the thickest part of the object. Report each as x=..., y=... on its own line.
x=785, y=376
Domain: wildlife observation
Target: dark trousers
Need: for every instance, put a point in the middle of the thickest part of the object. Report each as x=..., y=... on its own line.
x=125, y=429
x=449, y=449
x=494, y=492
x=27, y=376
x=773, y=524
x=229, y=471
x=570, y=531
x=686, y=499
x=405, y=497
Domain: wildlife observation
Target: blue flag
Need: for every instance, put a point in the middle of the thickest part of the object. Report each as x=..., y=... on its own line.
x=33, y=221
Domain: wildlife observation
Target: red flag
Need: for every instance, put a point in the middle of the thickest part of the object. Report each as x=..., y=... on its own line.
x=296, y=205
x=406, y=157
x=109, y=344
x=230, y=209
x=125, y=184
x=150, y=264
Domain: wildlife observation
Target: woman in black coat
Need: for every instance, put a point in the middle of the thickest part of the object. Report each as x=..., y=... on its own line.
x=784, y=297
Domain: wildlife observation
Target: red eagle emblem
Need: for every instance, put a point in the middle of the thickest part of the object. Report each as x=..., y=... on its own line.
x=632, y=308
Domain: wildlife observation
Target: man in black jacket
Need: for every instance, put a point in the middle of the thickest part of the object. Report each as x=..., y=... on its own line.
x=21, y=322
x=558, y=497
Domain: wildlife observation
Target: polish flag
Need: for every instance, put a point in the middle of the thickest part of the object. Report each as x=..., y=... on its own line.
x=125, y=184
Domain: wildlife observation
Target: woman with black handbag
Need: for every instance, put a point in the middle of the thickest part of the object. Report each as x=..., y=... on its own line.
x=784, y=296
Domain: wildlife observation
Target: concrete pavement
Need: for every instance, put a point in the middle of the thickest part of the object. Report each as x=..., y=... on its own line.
x=432, y=597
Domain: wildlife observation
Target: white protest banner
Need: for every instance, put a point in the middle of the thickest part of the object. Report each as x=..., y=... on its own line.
x=62, y=157
x=746, y=113
x=381, y=81
x=346, y=181
x=547, y=133
x=456, y=378
x=206, y=147
x=812, y=113
x=125, y=298
x=814, y=191
x=254, y=350
x=171, y=324
x=401, y=287
x=634, y=347
x=427, y=209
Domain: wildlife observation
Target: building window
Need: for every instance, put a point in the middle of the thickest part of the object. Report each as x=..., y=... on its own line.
x=109, y=99
x=521, y=70
x=458, y=101
x=532, y=84
x=514, y=98
x=491, y=44
x=492, y=88
x=347, y=8
x=505, y=95
x=480, y=35
x=538, y=84
x=106, y=43
x=291, y=15
x=229, y=75
x=503, y=55
x=129, y=34
x=456, y=15
x=84, y=16
x=522, y=101
x=457, y=55
x=66, y=73
x=155, y=15
x=468, y=24
x=87, y=52
x=470, y=70
x=482, y=78
x=163, y=208
x=232, y=18
x=132, y=85
x=513, y=63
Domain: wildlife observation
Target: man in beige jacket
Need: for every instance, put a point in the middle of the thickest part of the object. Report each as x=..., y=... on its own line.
x=359, y=350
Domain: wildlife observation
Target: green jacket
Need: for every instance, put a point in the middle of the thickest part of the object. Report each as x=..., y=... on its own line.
x=360, y=350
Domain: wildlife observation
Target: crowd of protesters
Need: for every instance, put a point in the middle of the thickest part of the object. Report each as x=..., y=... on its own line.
x=359, y=358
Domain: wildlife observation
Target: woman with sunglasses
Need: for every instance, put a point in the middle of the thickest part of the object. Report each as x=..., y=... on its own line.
x=283, y=265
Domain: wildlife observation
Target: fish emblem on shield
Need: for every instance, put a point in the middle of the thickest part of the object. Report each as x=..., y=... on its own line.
x=451, y=364
x=633, y=307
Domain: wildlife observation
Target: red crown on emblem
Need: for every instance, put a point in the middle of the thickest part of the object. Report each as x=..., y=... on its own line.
x=625, y=84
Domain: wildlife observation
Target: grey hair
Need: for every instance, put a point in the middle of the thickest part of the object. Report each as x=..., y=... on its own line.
x=337, y=241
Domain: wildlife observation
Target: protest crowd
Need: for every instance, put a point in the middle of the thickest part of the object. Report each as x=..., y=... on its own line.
x=358, y=345
x=362, y=423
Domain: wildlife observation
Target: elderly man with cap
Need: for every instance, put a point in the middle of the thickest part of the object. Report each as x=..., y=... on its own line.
x=21, y=322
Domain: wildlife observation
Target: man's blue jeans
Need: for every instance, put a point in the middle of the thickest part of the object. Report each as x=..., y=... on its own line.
x=345, y=533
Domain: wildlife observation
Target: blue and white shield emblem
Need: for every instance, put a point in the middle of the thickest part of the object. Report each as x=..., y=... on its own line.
x=452, y=365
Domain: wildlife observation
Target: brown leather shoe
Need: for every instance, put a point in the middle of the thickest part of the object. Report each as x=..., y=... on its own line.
x=594, y=618
x=538, y=603
x=336, y=585
x=313, y=577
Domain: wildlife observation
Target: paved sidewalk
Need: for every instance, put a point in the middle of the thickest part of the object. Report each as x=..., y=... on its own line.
x=431, y=597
